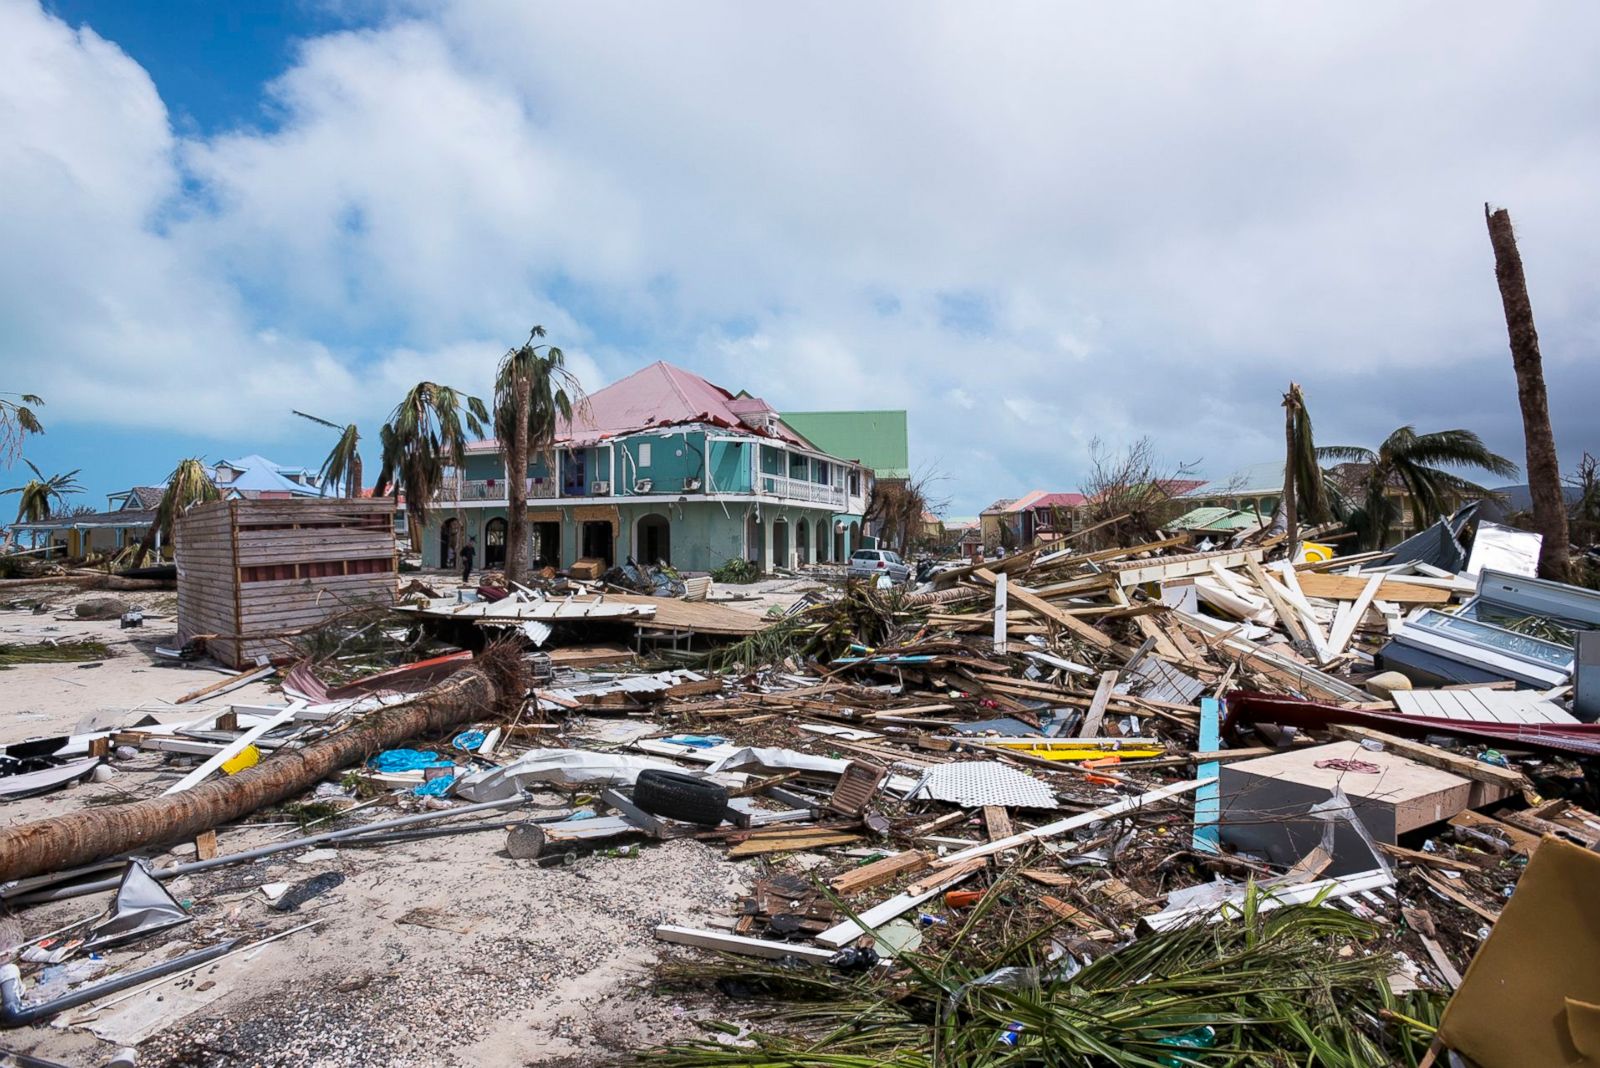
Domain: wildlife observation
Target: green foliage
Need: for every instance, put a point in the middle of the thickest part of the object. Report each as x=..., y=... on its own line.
x=426, y=432
x=553, y=393
x=1414, y=464
x=17, y=421
x=52, y=653
x=39, y=496
x=1298, y=985
x=737, y=570
x=1310, y=493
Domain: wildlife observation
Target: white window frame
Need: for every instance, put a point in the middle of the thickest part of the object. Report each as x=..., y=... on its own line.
x=644, y=454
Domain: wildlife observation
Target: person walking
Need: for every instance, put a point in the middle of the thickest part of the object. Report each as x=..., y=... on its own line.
x=468, y=551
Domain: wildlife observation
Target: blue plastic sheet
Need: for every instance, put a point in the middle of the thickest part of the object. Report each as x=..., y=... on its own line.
x=435, y=787
x=392, y=761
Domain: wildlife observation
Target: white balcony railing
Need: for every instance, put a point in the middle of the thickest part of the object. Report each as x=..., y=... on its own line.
x=493, y=489
x=799, y=489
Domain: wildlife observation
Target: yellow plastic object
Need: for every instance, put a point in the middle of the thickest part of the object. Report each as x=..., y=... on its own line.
x=248, y=757
x=1312, y=552
x=1050, y=752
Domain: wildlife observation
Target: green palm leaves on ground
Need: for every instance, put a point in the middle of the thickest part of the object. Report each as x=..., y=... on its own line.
x=1299, y=985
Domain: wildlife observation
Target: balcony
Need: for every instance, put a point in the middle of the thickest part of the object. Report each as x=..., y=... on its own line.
x=463, y=490
x=799, y=489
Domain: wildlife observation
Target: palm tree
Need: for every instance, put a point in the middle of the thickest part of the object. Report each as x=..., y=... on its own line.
x=1544, y=470
x=17, y=420
x=343, y=465
x=39, y=495
x=426, y=433
x=1304, y=495
x=189, y=484
x=1415, y=462
x=534, y=394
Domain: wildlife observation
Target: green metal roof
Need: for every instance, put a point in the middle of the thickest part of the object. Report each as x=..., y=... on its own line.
x=1216, y=520
x=875, y=439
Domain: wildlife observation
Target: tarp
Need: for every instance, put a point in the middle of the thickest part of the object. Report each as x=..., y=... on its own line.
x=142, y=907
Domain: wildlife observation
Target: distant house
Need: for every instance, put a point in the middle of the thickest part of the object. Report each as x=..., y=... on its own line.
x=131, y=511
x=661, y=466
x=1258, y=487
x=1035, y=516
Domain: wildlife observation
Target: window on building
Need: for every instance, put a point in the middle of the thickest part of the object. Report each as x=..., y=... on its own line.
x=855, y=483
x=644, y=454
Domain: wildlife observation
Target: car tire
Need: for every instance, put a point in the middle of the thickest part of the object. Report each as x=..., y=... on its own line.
x=680, y=797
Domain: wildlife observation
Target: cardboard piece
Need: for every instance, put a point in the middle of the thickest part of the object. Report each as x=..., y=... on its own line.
x=1532, y=994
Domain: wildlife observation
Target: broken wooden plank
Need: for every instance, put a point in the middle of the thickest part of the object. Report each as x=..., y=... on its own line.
x=1023, y=595
x=1351, y=588
x=1521, y=841
x=1443, y=886
x=873, y=918
x=232, y=749
x=1286, y=612
x=1072, y=823
x=227, y=685
x=1095, y=717
x=1000, y=613
x=997, y=821
x=753, y=847
x=1345, y=628
x=880, y=871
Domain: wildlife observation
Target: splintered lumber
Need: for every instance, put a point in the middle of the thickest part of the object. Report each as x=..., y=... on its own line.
x=1442, y=885
x=1274, y=593
x=1071, y=913
x=1422, y=753
x=1000, y=613
x=495, y=679
x=1072, y=823
x=1345, y=628
x=1351, y=587
x=997, y=822
x=882, y=913
x=1521, y=841
x=1097, y=707
x=749, y=947
x=221, y=686
x=880, y=871
x=1023, y=595
x=783, y=842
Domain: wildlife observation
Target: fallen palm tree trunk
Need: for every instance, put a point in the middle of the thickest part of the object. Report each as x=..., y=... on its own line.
x=496, y=680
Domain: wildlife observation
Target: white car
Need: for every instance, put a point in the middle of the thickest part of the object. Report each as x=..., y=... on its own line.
x=871, y=563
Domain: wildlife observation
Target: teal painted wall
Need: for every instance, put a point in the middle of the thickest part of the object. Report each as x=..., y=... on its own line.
x=730, y=467
x=484, y=465
x=673, y=460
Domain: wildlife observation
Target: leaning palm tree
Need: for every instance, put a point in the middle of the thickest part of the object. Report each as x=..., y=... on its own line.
x=1304, y=495
x=534, y=394
x=17, y=420
x=343, y=466
x=1415, y=464
x=38, y=497
x=426, y=433
x=189, y=484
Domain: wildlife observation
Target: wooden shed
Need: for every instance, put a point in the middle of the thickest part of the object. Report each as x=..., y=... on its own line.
x=251, y=570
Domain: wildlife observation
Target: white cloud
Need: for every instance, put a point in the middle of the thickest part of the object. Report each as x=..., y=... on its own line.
x=1029, y=225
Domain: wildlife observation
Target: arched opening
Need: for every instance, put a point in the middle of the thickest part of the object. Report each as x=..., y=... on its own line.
x=821, y=534
x=802, y=542
x=838, y=541
x=449, y=538
x=494, y=543
x=855, y=536
x=652, y=543
x=752, y=542
x=780, y=544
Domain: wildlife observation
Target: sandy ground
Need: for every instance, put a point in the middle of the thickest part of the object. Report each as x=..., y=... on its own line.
x=510, y=964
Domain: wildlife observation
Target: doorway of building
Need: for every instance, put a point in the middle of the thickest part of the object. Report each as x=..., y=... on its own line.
x=449, y=538
x=595, y=540
x=822, y=542
x=838, y=541
x=653, y=543
x=545, y=544
x=802, y=542
x=494, y=543
x=780, y=544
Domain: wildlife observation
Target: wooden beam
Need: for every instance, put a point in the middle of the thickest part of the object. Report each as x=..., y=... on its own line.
x=231, y=750
x=1466, y=767
x=749, y=947
x=880, y=871
x=1273, y=592
x=1096, y=715
x=1027, y=597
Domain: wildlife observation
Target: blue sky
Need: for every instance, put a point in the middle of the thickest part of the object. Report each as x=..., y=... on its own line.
x=1032, y=226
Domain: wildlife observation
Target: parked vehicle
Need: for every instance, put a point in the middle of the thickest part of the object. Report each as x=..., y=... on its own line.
x=871, y=563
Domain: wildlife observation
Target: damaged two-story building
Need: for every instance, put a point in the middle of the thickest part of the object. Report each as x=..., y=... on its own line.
x=661, y=466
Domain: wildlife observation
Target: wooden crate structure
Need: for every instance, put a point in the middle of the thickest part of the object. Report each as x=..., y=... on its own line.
x=251, y=570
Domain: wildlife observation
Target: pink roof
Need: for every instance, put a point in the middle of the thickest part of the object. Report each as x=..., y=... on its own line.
x=1027, y=500
x=656, y=396
x=1058, y=500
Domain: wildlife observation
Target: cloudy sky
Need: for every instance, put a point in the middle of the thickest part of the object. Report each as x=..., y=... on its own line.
x=1027, y=224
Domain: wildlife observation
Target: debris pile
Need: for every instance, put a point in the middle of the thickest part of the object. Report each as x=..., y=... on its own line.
x=1127, y=806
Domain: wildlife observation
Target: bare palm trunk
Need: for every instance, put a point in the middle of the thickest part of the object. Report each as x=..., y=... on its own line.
x=355, y=475
x=1544, y=470
x=1291, y=514
x=495, y=680
x=517, y=483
